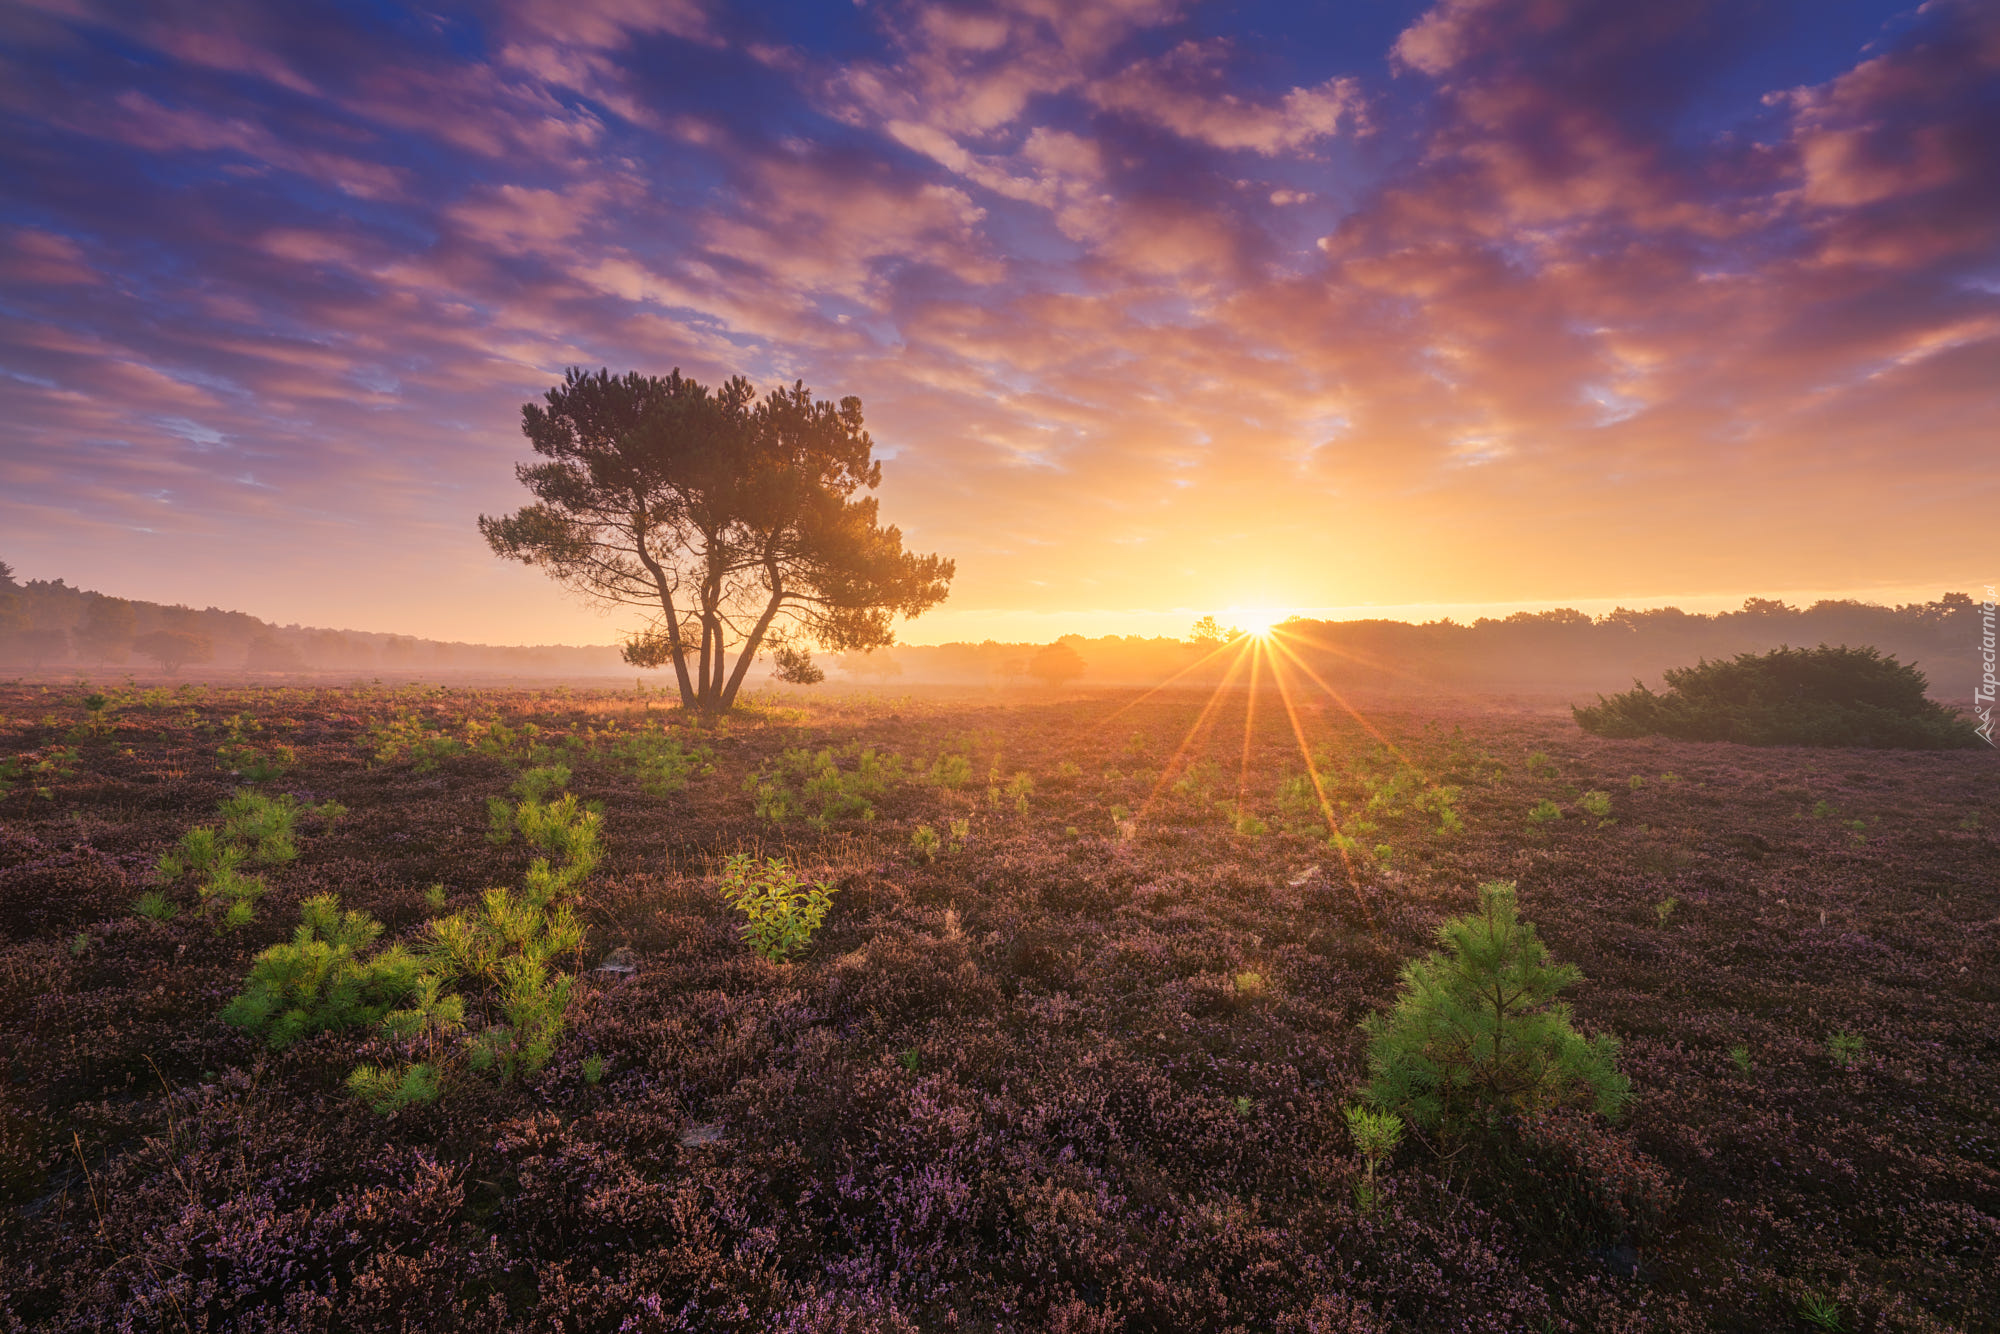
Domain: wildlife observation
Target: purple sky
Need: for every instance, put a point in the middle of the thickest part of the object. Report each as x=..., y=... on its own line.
x=1155, y=308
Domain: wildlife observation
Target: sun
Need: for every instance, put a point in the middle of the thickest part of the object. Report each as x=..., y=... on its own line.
x=1260, y=621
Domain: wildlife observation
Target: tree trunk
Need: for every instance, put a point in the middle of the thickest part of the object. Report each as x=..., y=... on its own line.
x=750, y=647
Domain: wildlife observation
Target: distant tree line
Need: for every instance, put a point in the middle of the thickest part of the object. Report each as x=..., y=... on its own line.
x=49, y=625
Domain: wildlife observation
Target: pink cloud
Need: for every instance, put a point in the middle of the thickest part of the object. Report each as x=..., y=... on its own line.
x=1179, y=91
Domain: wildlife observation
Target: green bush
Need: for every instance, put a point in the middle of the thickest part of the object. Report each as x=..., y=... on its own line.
x=1544, y=812
x=951, y=771
x=318, y=982
x=256, y=830
x=780, y=911
x=924, y=844
x=813, y=784
x=511, y=944
x=1788, y=697
x=661, y=761
x=1477, y=1030
x=388, y=1090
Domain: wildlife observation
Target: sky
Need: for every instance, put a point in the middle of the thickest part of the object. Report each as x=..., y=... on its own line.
x=1155, y=307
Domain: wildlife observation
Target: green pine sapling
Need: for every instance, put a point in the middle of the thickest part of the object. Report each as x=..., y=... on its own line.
x=1477, y=1030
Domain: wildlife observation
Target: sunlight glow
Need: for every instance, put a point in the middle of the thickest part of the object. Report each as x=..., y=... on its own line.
x=1259, y=621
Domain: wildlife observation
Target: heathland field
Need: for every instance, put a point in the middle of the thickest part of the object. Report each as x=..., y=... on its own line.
x=1049, y=1018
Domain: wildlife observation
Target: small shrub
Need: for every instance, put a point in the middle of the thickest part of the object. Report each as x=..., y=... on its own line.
x=961, y=830
x=1635, y=782
x=156, y=906
x=593, y=1070
x=1847, y=1048
x=924, y=844
x=1740, y=1054
x=257, y=766
x=662, y=762
x=1544, y=812
x=1665, y=909
x=1477, y=1030
x=1376, y=1135
x=1020, y=787
x=813, y=784
x=1243, y=1105
x=1595, y=804
x=388, y=1091
x=780, y=911
x=1249, y=826
x=318, y=982
x=236, y=893
x=263, y=827
x=951, y=771
x=910, y=1060
x=1250, y=985
x=1820, y=1312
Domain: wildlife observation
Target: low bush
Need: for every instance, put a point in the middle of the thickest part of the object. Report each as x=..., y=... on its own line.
x=781, y=912
x=812, y=784
x=1787, y=697
x=661, y=761
x=319, y=982
x=1477, y=1032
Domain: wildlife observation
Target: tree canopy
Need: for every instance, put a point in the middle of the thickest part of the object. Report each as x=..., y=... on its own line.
x=737, y=523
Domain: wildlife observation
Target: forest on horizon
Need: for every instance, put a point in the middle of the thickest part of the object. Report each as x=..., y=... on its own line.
x=51, y=626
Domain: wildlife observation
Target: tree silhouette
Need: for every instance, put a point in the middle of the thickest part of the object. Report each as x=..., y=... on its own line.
x=1056, y=663
x=173, y=649
x=734, y=521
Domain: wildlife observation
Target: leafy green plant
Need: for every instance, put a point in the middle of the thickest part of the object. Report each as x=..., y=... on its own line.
x=1243, y=1106
x=1820, y=1312
x=156, y=906
x=388, y=1090
x=911, y=1060
x=1595, y=804
x=255, y=765
x=813, y=784
x=961, y=830
x=593, y=1070
x=1544, y=812
x=318, y=981
x=663, y=763
x=1540, y=765
x=1376, y=1135
x=1635, y=782
x=1020, y=787
x=924, y=844
x=1249, y=826
x=407, y=734
x=950, y=771
x=1740, y=1054
x=1250, y=985
x=510, y=944
x=263, y=827
x=1665, y=909
x=1477, y=1030
x=1847, y=1048
x=780, y=911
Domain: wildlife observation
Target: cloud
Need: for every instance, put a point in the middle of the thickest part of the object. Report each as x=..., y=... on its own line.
x=1178, y=91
